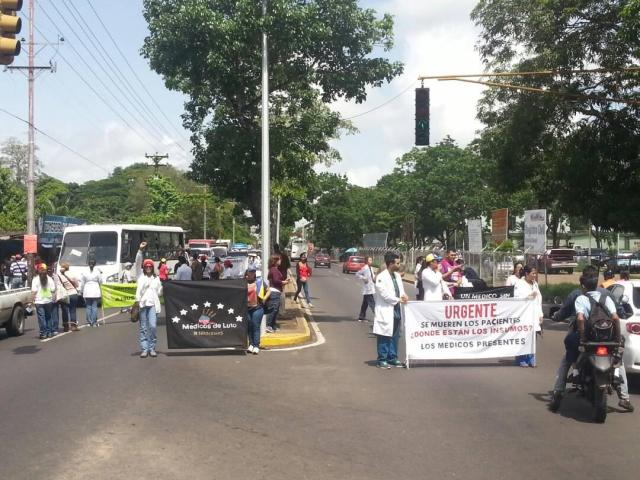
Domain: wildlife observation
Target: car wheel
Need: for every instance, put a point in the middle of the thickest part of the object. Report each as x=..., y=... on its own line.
x=15, y=327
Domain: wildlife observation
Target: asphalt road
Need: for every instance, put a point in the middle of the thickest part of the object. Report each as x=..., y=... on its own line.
x=84, y=406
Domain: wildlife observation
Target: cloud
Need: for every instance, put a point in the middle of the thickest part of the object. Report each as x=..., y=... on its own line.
x=114, y=145
x=432, y=38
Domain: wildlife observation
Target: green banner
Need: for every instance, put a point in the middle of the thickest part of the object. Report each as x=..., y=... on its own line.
x=118, y=295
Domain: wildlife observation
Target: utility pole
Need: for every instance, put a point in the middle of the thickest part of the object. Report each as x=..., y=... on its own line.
x=31, y=75
x=233, y=231
x=266, y=191
x=204, y=226
x=278, y=223
x=156, y=159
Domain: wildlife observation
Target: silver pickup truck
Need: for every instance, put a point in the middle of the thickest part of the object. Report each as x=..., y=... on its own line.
x=12, y=310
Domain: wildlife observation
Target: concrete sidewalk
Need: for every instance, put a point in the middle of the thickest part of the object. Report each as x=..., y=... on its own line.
x=294, y=327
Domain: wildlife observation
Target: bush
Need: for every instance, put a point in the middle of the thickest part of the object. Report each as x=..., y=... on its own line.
x=560, y=290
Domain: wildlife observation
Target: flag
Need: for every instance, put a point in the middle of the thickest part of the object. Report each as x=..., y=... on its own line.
x=206, y=314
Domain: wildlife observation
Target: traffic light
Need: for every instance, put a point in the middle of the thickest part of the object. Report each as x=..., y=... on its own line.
x=422, y=116
x=10, y=25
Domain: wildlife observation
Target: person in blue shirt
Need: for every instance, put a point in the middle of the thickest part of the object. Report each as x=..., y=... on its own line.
x=581, y=310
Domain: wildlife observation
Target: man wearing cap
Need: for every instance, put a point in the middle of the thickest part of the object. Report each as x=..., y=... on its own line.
x=386, y=324
x=43, y=294
x=435, y=288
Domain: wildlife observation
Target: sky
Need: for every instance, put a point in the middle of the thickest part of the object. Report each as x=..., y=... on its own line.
x=138, y=115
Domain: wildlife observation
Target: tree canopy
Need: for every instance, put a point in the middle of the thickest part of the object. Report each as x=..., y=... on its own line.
x=319, y=50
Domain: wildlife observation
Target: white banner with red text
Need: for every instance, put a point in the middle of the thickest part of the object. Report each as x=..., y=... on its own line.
x=469, y=329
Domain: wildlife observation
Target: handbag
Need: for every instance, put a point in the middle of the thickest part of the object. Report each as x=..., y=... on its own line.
x=135, y=308
x=135, y=312
x=64, y=298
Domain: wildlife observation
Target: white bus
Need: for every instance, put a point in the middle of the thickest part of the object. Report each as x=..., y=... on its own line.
x=114, y=245
x=298, y=247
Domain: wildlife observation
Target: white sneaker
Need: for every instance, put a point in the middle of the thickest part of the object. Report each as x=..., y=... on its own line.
x=256, y=350
x=310, y=305
x=250, y=349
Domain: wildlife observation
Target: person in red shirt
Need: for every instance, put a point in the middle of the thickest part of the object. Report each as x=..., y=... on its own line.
x=277, y=282
x=163, y=270
x=303, y=272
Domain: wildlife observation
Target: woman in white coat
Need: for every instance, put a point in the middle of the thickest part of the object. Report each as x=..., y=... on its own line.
x=386, y=324
x=148, y=296
x=527, y=287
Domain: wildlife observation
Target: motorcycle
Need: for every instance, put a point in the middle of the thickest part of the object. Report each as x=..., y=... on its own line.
x=599, y=367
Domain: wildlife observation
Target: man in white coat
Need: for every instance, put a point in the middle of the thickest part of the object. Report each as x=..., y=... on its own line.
x=435, y=288
x=386, y=325
x=368, y=289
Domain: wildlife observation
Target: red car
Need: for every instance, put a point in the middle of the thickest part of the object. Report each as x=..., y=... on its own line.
x=322, y=259
x=353, y=264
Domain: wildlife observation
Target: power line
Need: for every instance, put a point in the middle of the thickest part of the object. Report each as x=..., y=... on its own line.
x=144, y=87
x=97, y=44
x=70, y=65
x=53, y=139
x=102, y=82
x=383, y=104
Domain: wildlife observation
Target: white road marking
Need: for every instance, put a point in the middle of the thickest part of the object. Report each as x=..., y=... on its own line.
x=81, y=326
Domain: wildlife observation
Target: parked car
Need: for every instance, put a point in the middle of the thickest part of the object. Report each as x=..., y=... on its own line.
x=627, y=295
x=556, y=259
x=321, y=260
x=629, y=262
x=353, y=264
x=12, y=310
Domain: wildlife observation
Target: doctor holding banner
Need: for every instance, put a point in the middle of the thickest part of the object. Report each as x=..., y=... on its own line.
x=469, y=329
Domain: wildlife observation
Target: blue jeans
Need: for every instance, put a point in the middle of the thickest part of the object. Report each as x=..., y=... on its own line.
x=92, y=310
x=273, y=306
x=305, y=286
x=388, y=347
x=529, y=359
x=148, y=323
x=16, y=282
x=44, y=318
x=254, y=319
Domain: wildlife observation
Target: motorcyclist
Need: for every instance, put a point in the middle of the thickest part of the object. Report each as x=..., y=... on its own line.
x=572, y=340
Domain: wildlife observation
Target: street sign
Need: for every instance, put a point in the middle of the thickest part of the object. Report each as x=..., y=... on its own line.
x=535, y=231
x=499, y=225
x=475, y=235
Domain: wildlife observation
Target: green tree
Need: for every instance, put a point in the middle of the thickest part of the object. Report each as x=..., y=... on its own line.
x=164, y=200
x=13, y=204
x=14, y=155
x=319, y=50
x=578, y=149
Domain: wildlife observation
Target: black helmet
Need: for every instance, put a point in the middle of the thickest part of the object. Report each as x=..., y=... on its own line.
x=608, y=274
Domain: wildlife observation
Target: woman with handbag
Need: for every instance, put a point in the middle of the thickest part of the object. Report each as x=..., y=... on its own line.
x=148, y=300
x=303, y=272
x=90, y=287
x=67, y=287
x=257, y=295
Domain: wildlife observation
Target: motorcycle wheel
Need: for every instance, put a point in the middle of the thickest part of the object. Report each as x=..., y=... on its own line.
x=600, y=405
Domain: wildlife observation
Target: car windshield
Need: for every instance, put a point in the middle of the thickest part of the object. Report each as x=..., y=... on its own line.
x=198, y=245
x=357, y=260
x=79, y=246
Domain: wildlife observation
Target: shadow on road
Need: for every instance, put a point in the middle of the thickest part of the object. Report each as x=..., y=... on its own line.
x=202, y=353
x=26, y=350
x=575, y=407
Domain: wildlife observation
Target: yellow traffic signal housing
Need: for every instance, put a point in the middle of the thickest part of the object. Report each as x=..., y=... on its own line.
x=10, y=25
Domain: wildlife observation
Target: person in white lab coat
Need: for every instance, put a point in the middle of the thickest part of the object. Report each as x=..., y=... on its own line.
x=435, y=288
x=386, y=324
x=527, y=287
x=366, y=276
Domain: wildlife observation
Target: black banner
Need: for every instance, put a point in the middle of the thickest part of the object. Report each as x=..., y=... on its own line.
x=472, y=293
x=206, y=314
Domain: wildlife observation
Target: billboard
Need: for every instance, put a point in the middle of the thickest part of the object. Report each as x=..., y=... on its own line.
x=51, y=228
x=375, y=240
x=535, y=231
x=499, y=225
x=475, y=235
